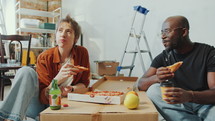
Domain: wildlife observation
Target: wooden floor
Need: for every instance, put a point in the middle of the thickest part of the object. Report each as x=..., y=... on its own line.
x=6, y=90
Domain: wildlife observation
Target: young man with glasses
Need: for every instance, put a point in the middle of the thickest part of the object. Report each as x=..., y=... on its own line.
x=193, y=96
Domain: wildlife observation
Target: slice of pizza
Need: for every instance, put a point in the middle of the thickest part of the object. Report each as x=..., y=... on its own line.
x=104, y=93
x=81, y=68
x=175, y=66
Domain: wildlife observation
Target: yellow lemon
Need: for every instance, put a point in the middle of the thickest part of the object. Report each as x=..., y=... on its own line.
x=131, y=101
x=132, y=92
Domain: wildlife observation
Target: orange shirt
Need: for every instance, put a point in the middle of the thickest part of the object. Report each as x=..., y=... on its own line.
x=48, y=66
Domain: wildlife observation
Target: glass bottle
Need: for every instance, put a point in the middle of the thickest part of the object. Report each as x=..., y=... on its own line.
x=55, y=96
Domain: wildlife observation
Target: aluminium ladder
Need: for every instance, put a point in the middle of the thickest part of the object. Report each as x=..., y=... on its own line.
x=136, y=37
x=2, y=21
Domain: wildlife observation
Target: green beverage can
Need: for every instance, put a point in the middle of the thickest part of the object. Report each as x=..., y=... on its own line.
x=55, y=96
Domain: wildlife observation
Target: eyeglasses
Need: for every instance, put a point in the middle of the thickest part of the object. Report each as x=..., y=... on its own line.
x=168, y=30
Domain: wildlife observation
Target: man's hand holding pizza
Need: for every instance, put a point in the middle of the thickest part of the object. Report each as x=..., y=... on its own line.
x=165, y=73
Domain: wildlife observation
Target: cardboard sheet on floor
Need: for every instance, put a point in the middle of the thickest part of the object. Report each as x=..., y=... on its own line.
x=85, y=111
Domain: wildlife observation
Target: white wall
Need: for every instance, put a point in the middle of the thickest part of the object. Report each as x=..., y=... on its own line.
x=106, y=24
x=9, y=14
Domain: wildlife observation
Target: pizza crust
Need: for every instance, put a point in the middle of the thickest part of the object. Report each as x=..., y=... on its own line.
x=81, y=68
x=175, y=66
x=104, y=93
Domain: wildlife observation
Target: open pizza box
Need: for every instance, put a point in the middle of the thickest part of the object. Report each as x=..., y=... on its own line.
x=108, y=83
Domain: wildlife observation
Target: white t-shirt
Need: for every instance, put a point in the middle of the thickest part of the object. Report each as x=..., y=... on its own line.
x=69, y=81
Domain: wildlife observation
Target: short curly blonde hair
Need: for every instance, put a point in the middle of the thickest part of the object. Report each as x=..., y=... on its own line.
x=75, y=26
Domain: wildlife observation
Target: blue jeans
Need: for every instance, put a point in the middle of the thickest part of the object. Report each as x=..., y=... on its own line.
x=23, y=98
x=180, y=112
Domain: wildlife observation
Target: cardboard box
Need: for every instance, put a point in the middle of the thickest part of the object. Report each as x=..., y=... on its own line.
x=106, y=68
x=106, y=84
x=96, y=99
x=47, y=26
x=83, y=111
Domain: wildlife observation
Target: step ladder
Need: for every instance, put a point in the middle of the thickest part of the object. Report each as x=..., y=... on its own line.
x=136, y=37
x=2, y=21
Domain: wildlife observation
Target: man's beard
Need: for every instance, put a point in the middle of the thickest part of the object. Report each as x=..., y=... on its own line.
x=171, y=47
x=174, y=46
x=168, y=49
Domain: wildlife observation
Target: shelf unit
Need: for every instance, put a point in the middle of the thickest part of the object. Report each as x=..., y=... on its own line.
x=56, y=14
x=41, y=48
x=35, y=30
x=43, y=36
x=33, y=12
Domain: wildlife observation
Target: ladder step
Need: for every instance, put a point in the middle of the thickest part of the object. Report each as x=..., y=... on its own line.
x=135, y=51
x=135, y=36
x=125, y=67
